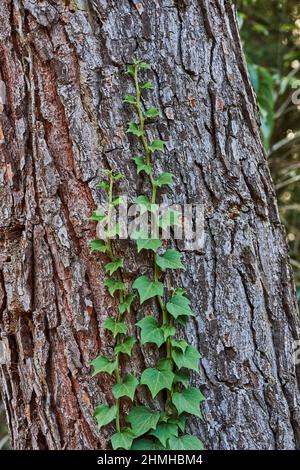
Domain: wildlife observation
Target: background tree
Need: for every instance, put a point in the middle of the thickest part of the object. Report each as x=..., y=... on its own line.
x=63, y=65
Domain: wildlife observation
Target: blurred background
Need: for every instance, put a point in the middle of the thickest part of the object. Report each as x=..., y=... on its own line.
x=270, y=31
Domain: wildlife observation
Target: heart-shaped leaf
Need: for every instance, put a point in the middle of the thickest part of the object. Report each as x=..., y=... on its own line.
x=147, y=288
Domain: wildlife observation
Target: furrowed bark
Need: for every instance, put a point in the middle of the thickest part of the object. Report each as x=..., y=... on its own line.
x=64, y=121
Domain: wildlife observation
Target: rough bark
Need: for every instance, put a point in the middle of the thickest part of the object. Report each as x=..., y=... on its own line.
x=63, y=66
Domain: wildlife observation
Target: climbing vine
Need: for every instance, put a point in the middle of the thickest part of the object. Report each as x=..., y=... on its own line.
x=168, y=381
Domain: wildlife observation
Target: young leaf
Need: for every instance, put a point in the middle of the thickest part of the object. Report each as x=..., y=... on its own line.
x=164, y=431
x=126, y=388
x=102, y=364
x=188, y=359
x=163, y=179
x=185, y=442
x=178, y=306
x=179, y=344
x=157, y=380
x=142, y=419
x=157, y=145
x=133, y=128
x=103, y=185
x=97, y=215
x=171, y=259
x=144, y=202
x=126, y=346
x=188, y=401
x=147, y=86
x=113, y=286
x=126, y=304
x=130, y=69
x=122, y=440
x=144, y=65
x=117, y=201
x=168, y=331
x=151, y=112
x=98, y=245
x=147, y=288
x=105, y=414
x=129, y=99
x=113, y=266
x=118, y=176
x=142, y=165
x=151, y=331
x=115, y=327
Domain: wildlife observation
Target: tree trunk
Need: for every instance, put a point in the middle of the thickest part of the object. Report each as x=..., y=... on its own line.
x=63, y=63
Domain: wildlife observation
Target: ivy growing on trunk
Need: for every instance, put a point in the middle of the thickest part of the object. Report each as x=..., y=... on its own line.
x=169, y=379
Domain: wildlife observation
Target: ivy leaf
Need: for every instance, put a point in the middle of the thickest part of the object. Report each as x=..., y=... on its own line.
x=147, y=288
x=130, y=99
x=188, y=401
x=144, y=243
x=144, y=202
x=164, y=431
x=142, y=419
x=151, y=112
x=151, y=332
x=126, y=304
x=115, y=327
x=179, y=344
x=126, y=388
x=118, y=176
x=142, y=165
x=126, y=346
x=144, y=65
x=147, y=86
x=97, y=215
x=171, y=259
x=105, y=414
x=113, y=266
x=113, y=231
x=117, y=201
x=179, y=306
x=98, y=245
x=157, y=145
x=169, y=218
x=133, y=128
x=189, y=358
x=168, y=331
x=185, y=442
x=113, y=286
x=145, y=444
x=182, y=378
x=122, y=440
x=130, y=69
x=163, y=179
x=164, y=364
x=102, y=364
x=156, y=380
x=103, y=185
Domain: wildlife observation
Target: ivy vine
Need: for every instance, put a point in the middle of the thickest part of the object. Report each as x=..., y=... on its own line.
x=144, y=428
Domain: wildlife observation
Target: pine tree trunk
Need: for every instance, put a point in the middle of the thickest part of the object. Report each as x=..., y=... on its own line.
x=63, y=65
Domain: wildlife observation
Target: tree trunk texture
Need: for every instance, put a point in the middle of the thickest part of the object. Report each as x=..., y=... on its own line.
x=63, y=65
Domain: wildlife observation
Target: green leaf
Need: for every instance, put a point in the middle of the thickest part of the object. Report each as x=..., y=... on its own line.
x=102, y=364
x=113, y=266
x=188, y=401
x=130, y=69
x=182, y=378
x=179, y=344
x=144, y=202
x=113, y=286
x=157, y=380
x=142, y=419
x=122, y=440
x=169, y=218
x=103, y=185
x=147, y=288
x=168, y=331
x=98, y=245
x=171, y=259
x=151, y=112
x=130, y=99
x=115, y=327
x=185, y=442
x=133, y=128
x=164, y=431
x=113, y=231
x=145, y=444
x=105, y=414
x=142, y=165
x=126, y=388
x=151, y=332
x=97, y=215
x=144, y=243
x=117, y=201
x=163, y=179
x=147, y=86
x=189, y=358
x=126, y=346
x=126, y=304
x=144, y=65
x=118, y=176
x=179, y=306
x=165, y=364
x=157, y=145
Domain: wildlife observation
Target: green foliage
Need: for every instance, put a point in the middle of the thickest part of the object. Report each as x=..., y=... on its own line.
x=149, y=430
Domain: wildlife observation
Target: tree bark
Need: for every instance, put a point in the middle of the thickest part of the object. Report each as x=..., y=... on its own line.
x=63, y=65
